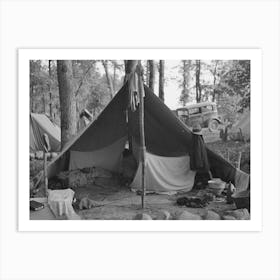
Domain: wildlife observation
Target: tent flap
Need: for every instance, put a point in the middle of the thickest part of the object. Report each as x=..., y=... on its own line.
x=166, y=174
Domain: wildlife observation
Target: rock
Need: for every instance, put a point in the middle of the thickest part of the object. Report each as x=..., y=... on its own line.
x=240, y=214
x=185, y=215
x=211, y=215
x=142, y=216
x=164, y=215
x=228, y=217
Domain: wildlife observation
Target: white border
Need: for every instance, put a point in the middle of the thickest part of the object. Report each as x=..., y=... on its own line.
x=255, y=224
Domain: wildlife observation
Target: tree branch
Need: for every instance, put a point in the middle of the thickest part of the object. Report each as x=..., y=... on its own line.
x=83, y=79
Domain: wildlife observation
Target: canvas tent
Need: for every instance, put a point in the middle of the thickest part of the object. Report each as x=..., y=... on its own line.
x=242, y=124
x=40, y=124
x=167, y=139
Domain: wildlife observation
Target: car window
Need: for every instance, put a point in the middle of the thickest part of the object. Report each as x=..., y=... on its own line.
x=207, y=108
x=193, y=111
x=182, y=113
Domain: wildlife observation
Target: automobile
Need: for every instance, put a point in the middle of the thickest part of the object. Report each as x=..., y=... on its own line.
x=204, y=113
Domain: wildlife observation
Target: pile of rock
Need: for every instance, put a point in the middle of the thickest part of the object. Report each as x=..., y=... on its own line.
x=239, y=214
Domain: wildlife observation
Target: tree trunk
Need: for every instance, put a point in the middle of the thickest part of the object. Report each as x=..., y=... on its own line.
x=197, y=82
x=50, y=90
x=161, y=80
x=114, y=78
x=109, y=78
x=152, y=73
x=147, y=72
x=214, y=82
x=67, y=100
x=32, y=98
x=44, y=103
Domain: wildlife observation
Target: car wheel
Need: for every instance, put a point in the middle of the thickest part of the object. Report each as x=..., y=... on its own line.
x=213, y=125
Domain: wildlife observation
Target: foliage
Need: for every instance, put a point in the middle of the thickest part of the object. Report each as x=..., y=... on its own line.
x=91, y=88
x=226, y=82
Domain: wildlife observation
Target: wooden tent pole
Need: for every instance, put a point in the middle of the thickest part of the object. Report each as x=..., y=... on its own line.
x=47, y=148
x=46, y=172
x=142, y=137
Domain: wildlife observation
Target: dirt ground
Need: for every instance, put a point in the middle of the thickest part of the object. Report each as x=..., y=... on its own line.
x=117, y=203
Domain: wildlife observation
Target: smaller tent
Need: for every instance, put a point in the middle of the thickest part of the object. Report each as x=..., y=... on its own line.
x=242, y=127
x=40, y=124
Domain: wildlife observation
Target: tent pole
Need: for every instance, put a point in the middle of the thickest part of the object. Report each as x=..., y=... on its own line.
x=142, y=140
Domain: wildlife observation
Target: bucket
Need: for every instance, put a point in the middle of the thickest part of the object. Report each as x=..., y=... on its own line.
x=216, y=186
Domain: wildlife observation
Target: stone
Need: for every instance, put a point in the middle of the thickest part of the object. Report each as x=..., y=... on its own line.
x=240, y=214
x=211, y=215
x=185, y=215
x=164, y=215
x=142, y=216
x=228, y=217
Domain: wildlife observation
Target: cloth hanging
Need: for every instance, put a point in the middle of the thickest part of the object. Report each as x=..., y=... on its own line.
x=198, y=154
x=135, y=86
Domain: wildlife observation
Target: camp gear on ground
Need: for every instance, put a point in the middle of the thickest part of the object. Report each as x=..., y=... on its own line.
x=242, y=199
x=230, y=190
x=60, y=202
x=40, y=124
x=193, y=202
x=102, y=142
x=35, y=205
x=87, y=203
x=216, y=186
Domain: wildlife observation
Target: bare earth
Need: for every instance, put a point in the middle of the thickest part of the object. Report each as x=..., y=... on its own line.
x=123, y=204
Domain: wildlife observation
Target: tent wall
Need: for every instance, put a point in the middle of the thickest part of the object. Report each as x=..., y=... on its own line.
x=79, y=160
